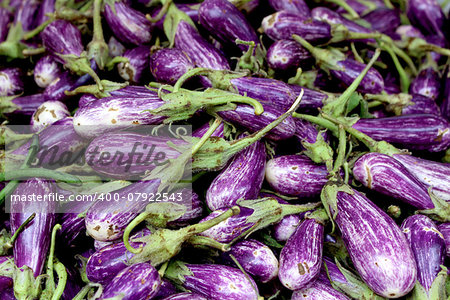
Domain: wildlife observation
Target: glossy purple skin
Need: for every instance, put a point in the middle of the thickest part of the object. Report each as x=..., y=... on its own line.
x=386, y=175
x=139, y=281
x=431, y=173
x=377, y=247
x=134, y=70
x=199, y=50
x=257, y=259
x=296, y=6
x=115, y=113
x=372, y=83
x=85, y=99
x=219, y=282
x=135, y=91
x=241, y=179
x=318, y=290
x=115, y=47
x=128, y=25
x=415, y=132
x=106, y=221
x=26, y=14
x=199, y=132
x=46, y=70
x=62, y=37
x=166, y=289
x=7, y=294
x=422, y=105
x=296, y=175
x=283, y=24
x=427, y=83
x=5, y=18
x=26, y=105
x=31, y=246
x=444, y=229
x=301, y=256
x=191, y=9
x=445, y=105
x=334, y=273
x=169, y=64
x=426, y=15
x=428, y=246
x=383, y=19
x=285, y=54
x=194, y=208
x=409, y=31
x=48, y=113
x=185, y=296
x=331, y=17
x=311, y=99
x=46, y=7
x=105, y=263
x=64, y=82
x=224, y=21
x=244, y=115
x=10, y=81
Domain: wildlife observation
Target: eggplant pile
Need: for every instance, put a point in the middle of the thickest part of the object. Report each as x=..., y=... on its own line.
x=224, y=149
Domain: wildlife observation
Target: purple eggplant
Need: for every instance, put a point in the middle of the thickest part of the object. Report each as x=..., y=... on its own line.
x=428, y=246
x=247, y=6
x=241, y=179
x=213, y=281
x=223, y=20
x=115, y=113
x=10, y=82
x=139, y=281
x=427, y=83
x=48, y=113
x=128, y=25
x=311, y=99
x=62, y=38
x=25, y=15
x=301, y=256
x=138, y=63
x=5, y=18
x=283, y=24
x=333, y=18
x=168, y=65
x=21, y=106
x=383, y=19
x=46, y=71
x=286, y=54
x=318, y=290
x=199, y=50
x=85, y=99
x=415, y=132
x=296, y=175
x=444, y=229
x=185, y=296
x=445, y=105
x=409, y=31
x=426, y=15
x=8, y=294
x=421, y=105
x=65, y=82
x=295, y=6
x=115, y=47
x=166, y=290
x=46, y=7
x=193, y=205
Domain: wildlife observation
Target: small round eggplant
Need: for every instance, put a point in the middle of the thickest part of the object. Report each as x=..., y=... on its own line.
x=318, y=290
x=285, y=54
x=10, y=82
x=295, y=6
x=46, y=71
x=138, y=63
x=168, y=65
x=48, y=113
x=85, y=99
x=167, y=289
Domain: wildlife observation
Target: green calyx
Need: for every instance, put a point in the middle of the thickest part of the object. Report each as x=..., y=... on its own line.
x=437, y=290
x=253, y=59
x=394, y=103
x=80, y=65
x=26, y=287
x=319, y=151
x=177, y=271
x=108, y=86
x=441, y=210
x=6, y=104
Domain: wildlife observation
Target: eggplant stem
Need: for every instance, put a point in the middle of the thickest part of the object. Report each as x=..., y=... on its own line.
x=31, y=52
x=206, y=136
x=318, y=121
x=340, y=159
x=37, y=30
x=200, y=227
x=404, y=79
x=61, y=271
x=126, y=234
x=41, y=173
x=293, y=209
x=198, y=240
x=345, y=6
x=189, y=74
x=161, y=13
x=21, y=228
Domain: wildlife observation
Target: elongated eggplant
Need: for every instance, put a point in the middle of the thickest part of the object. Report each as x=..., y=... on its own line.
x=415, y=132
x=86, y=99
x=201, y=52
x=427, y=83
x=185, y=296
x=445, y=105
x=48, y=113
x=347, y=70
x=128, y=25
x=46, y=7
x=25, y=15
x=285, y=54
x=10, y=81
x=138, y=281
x=168, y=65
x=311, y=99
x=296, y=175
x=444, y=229
x=138, y=63
x=23, y=106
x=383, y=19
x=115, y=47
x=213, y=281
x=426, y=15
x=62, y=38
x=428, y=246
x=318, y=290
x=65, y=82
x=5, y=18
x=296, y=6
x=45, y=71
x=166, y=289
x=331, y=17
x=421, y=105
x=194, y=208
x=283, y=24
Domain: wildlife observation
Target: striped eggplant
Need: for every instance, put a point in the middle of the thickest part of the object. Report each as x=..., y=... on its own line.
x=224, y=21
x=426, y=15
x=194, y=208
x=169, y=64
x=199, y=132
x=301, y=256
x=213, y=281
x=115, y=113
x=377, y=247
x=414, y=132
x=295, y=6
x=318, y=290
x=285, y=54
x=296, y=175
x=283, y=24
x=246, y=6
x=5, y=17
x=138, y=63
x=8, y=294
x=128, y=25
x=48, y=113
x=46, y=7
x=307, y=132
x=22, y=106
x=10, y=81
x=31, y=246
x=444, y=229
x=6, y=272
x=25, y=15
x=244, y=115
x=383, y=19
x=333, y=18
x=199, y=50
x=428, y=246
x=185, y=296
x=256, y=259
x=311, y=99
x=65, y=82
x=166, y=289
x=46, y=71
x=115, y=48
x=445, y=105
x=427, y=83
x=139, y=281
x=241, y=179
x=421, y=105
x=409, y=31
x=85, y=99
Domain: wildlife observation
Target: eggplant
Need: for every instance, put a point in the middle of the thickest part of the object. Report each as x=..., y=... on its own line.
x=421, y=105
x=46, y=7
x=426, y=15
x=256, y=259
x=285, y=54
x=8, y=294
x=444, y=229
x=115, y=113
x=166, y=289
x=23, y=106
x=296, y=175
x=11, y=82
x=46, y=71
x=5, y=18
x=185, y=296
x=333, y=18
x=139, y=281
x=199, y=50
x=383, y=19
x=427, y=83
x=193, y=205
x=138, y=63
x=128, y=25
x=169, y=64
x=241, y=179
x=307, y=132
x=318, y=290
x=25, y=15
x=246, y=6
x=311, y=99
x=445, y=105
x=283, y=24
x=48, y=113
x=224, y=21
x=409, y=31
x=65, y=82
x=414, y=132
x=62, y=38
x=212, y=281
x=115, y=48
x=85, y=99
x=428, y=246
x=295, y=6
